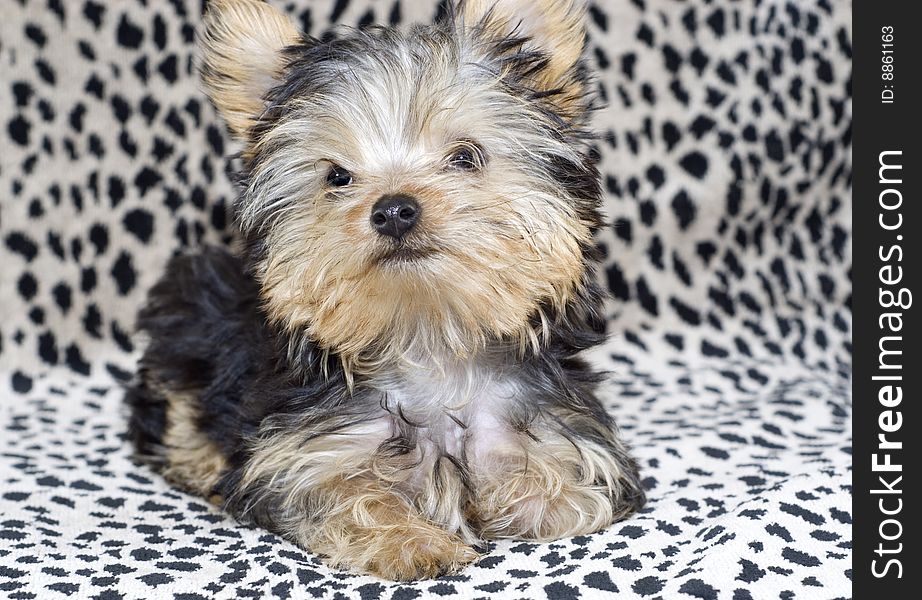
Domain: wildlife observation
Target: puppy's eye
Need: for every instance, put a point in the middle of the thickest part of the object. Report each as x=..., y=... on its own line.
x=466, y=158
x=338, y=176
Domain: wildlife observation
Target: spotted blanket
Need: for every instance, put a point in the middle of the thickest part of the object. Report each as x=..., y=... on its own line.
x=725, y=146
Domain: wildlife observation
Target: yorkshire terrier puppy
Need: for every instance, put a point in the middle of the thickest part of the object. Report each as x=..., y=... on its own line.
x=388, y=376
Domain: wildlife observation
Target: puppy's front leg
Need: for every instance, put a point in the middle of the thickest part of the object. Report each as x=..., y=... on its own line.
x=345, y=495
x=561, y=477
x=361, y=525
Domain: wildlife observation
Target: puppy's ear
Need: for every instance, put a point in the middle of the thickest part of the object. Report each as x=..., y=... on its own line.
x=242, y=43
x=555, y=28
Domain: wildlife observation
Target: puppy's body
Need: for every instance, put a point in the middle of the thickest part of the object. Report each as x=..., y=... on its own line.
x=390, y=391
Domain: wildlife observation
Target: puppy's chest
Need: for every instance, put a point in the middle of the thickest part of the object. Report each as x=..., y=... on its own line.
x=448, y=409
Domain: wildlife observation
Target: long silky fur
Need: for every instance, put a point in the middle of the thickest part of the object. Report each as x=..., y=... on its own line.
x=245, y=396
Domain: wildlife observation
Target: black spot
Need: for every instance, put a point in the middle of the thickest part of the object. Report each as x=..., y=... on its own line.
x=94, y=86
x=671, y=134
x=37, y=315
x=800, y=558
x=715, y=452
x=128, y=34
x=598, y=17
x=681, y=269
x=685, y=312
x=709, y=349
x=774, y=146
x=646, y=297
x=645, y=34
x=46, y=73
x=22, y=92
x=21, y=382
x=806, y=515
x=159, y=32
x=699, y=60
x=684, y=209
x=63, y=296
x=141, y=68
x=715, y=97
x=671, y=58
x=120, y=107
x=394, y=17
x=93, y=11
x=679, y=92
x=698, y=589
x=19, y=128
x=27, y=286
x=656, y=176
x=675, y=340
x=600, y=580
x=74, y=359
x=722, y=299
x=627, y=65
x=655, y=252
x=168, y=69
x=617, y=284
x=116, y=191
x=124, y=273
x=99, y=237
x=338, y=9
x=48, y=348
x=127, y=144
x=366, y=19
x=823, y=69
x=175, y=123
x=561, y=591
x=647, y=213
x=726, y=73
x=139, y=222
x=121, y=337
x=19, y=243
x=215, y=140
x=716, y=22
x=149, y=108
x=701, y=125
x=648, y=586
x=92, y=321
x=146, y=179
x=695, y=163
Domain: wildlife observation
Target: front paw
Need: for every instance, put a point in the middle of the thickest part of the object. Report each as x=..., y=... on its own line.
x=364, y=527
x=406, y=552
x=548, y=495
x=532, y=513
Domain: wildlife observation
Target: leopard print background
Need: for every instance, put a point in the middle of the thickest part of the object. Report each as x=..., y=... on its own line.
x=726, y=156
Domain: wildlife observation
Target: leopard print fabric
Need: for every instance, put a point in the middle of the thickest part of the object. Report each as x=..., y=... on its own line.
x=726, y=157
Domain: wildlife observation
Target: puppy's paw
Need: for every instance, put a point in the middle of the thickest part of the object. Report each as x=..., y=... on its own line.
x=411, y=552
x=535, y=515
x=404, y=552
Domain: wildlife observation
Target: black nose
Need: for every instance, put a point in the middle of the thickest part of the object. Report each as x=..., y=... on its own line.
x=394, y=215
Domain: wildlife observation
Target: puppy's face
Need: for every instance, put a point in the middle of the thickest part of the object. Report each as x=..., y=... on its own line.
x=425, y=190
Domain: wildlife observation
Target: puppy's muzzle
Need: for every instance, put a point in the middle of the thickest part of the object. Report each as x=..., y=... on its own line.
x=394, y=215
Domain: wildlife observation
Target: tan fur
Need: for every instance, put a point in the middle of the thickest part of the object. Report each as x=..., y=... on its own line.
x=241, y=43
x=194, y=462
x=368, y=528
x=546, y=489
x=499, y=245
x=467, y=293
x=555, y=27
x=343, y=498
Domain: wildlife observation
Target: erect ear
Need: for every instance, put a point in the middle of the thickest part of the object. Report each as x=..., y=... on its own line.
x=555, y=28
x=242, y=43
